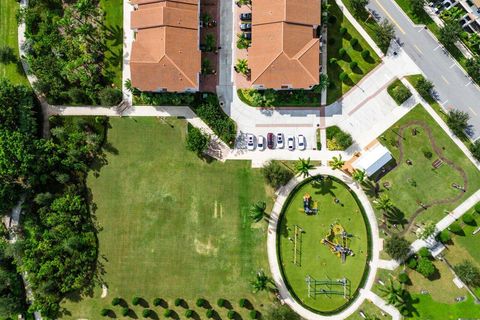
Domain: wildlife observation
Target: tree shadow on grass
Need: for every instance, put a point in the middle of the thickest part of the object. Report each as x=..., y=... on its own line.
x=357, y=70
x=346, y=57
x=132, y=314
x=396, y=216
x=357, y=47
x=115, y=34
x=324, y=187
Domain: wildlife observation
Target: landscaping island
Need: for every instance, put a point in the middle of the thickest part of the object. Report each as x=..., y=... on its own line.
x=310, y=245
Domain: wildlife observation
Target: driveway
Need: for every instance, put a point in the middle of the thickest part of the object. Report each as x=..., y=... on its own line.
x=454, y=87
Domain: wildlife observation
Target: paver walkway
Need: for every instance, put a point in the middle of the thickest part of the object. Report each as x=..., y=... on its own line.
x=272, y=246
x=379, y=302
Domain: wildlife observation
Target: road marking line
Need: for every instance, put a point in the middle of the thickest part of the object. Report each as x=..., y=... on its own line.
x=418, y=49
x=468, y=83
x=439, y=46
x=453, y=65
x=444, y=79
x=473, y=111
x=390, y=16
x=421, y=30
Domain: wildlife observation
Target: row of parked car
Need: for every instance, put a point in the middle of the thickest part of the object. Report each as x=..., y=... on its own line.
x=275, y=141
x=246, y=25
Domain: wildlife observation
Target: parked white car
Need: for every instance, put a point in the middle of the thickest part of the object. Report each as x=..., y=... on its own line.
x=291, y=143
x=250, y=142
x=301, y=142
x=261, y=143
x=280, y=141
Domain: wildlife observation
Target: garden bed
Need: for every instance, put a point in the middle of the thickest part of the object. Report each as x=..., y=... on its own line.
x=279, y=98
x=399, y=92
x=337, y=139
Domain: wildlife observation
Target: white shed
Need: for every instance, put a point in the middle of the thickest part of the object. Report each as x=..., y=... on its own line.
x=373, y=159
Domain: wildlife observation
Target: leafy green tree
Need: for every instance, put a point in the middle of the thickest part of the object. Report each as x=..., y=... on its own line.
x=397, y=248
x=257, y=211
x=450, y=33
x=468, y=273
x=424, y=87
x=427, y=230
x=303, y=167
x=358, y=6
x=280, y=312
x=417, y=6
x=276, y=175
x=475, y=149
x=425, y=267
x=457, y=121
x=110, y=96
x=197, y=141
x=385, y=33
x=473, y=67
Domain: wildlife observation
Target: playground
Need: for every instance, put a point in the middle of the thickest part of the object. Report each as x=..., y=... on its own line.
x=323, y=244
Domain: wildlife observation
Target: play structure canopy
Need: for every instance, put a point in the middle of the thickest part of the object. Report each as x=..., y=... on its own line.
x=373, y=159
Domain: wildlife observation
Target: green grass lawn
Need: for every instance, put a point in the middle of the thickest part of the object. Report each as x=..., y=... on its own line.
x=172, y=225
x=353, y=53
x=8, y=37
x=368, y=309
x=419, y=182
x=114, y=54
x=316, y=258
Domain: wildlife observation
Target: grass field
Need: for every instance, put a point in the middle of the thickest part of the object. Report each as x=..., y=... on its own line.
x=9, y=37
x=172, y=225
x=418, y=183
x=368, y=309
x=316, y=259
x=114, y=23
x=353, y=53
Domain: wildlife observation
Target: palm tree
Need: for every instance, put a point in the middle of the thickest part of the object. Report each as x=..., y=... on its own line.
x=257, y=211
x=303, y=167
x=337, y=163
x=394, y=294
x=262, y=282
x=242, y=66
x=384, y=203
x=359, y=175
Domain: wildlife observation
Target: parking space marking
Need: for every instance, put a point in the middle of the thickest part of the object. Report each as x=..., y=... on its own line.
x=444, y=103
x=390, y=16
x=418, y=49
x=439, y=46
x=468, y=83
x=453, y=65
x=445, y=79
x=473, y=111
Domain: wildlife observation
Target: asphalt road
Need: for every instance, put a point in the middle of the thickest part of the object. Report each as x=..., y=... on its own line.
x=453, y=86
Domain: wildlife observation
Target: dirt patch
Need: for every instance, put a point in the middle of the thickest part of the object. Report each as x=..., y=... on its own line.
x=206, y=248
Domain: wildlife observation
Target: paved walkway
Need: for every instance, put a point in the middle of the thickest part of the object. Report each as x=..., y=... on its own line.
x=272, y=246
x=379, y=302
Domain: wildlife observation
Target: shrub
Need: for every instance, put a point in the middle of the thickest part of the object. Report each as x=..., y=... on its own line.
x=424, y=252
x=242, y=303
x=365, y=54
x=253, y=314
x=403, y=277
x=200, y=302
x=399, y=92
x=210, y=313
x=475, y=149
x=178, y=302
x=146, y=313
x=189, y=313
x=116, y=301
x=125, y=311
x=110, y=96
x=468, y=273
x=135, y=301
x=168, y=313
x=333, y=60
x=342, y=52
x=337, y=139
x=444, y=236
x=477, y=207
x=332, y=19
x=221, y=302
x=353, y=64
x=425, y=267
x=353, y=42
x=424, y=87
x=457, y=121
x=231, y=314
x=157, y=302
x=468, y=219
x=343, y=76
x=412, y=263
x=343, y=31
x=105, y=312
x=427, y=154
x=455, y=228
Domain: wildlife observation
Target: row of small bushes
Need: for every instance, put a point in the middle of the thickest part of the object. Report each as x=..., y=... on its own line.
x=456, y=228
x=169, y=313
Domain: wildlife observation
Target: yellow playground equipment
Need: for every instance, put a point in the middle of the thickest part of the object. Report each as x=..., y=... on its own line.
x=338, y=240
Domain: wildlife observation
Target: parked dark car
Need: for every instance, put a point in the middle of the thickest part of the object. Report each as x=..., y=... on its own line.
x=270, y=140
x=246, y=16
x=245, y=26
x=247, y=35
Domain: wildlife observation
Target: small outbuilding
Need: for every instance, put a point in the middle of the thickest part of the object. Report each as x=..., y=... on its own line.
x=373, y=160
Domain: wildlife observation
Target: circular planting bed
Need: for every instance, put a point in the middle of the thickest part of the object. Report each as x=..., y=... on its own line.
x=323, y=244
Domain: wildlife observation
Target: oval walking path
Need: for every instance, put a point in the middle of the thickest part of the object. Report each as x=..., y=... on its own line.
x=273, y=258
